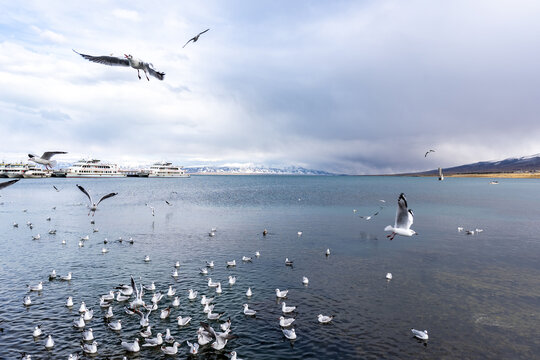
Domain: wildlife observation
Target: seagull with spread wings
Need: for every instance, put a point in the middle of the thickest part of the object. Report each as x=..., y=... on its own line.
x=127, y=60
x=93, y=206
x=45, y=159
x=404, y=220
x=195, y=38
x=427, y=152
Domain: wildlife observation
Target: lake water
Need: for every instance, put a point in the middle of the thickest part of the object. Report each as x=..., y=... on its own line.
x=478, y=296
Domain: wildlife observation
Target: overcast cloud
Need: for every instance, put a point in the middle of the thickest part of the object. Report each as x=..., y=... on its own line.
x=358, y=87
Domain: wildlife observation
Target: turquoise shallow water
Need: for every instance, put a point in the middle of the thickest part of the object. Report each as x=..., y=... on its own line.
x=478, y=296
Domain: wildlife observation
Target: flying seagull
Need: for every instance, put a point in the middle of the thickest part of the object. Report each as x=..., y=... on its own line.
x=404, y=220
x=7, y=183
x=45, y=159
x=195, y=38
x=369, y=217
x=127, y=60
x=93, y=205
x=427, y=152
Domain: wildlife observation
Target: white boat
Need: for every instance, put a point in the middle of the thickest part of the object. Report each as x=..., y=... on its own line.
x=17, y=170
x=94, y=169
x=166, y=169
x=36, y=174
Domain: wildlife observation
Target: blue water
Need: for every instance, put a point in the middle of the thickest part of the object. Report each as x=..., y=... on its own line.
x=478, y=296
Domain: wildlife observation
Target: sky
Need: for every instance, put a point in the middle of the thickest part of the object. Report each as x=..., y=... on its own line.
x=352, y=87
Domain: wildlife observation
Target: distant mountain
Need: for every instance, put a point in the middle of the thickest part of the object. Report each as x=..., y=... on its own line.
x=253, y=170
x=510, y=165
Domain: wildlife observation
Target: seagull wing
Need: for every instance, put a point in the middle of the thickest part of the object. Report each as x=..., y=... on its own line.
x=49, y=154
x=106, y=197
x=86, y=192
x=134, y=287
x=209, y=329
x=203, y=32
x=106, y=60
x=7, y=183
x=402, y=215
x=410, y=218
x=192, y=39
x=157, y=74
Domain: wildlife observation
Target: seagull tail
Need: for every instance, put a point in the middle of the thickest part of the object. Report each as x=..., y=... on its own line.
x=388, y=228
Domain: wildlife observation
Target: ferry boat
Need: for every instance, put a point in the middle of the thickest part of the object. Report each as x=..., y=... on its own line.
x=17, y=170
x=36, y=174
x=93, y=169
x=166, y=169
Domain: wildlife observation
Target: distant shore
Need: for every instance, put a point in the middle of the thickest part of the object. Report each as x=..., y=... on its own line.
x=529, y=175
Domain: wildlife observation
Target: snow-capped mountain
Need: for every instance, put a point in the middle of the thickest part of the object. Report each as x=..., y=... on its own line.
x=521, y=164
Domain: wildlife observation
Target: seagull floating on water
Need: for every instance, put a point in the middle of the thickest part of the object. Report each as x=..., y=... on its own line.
x=289, y=334
x=285, y=322
x=27, y=301
x=127, y=60
x=422, y=335
x=287, y=309
x=281, y=294
x=37, y=331
x=49, y=343
x=88, y=335
x=249, y=293
x=389, y=276
x=192, y=295
x=90, y=348
x=305, y=280
x=37, y=287
x=115, y=325
x=170, y=350
x=131, y=347
x=232, y=280
x=183, y=321
x=404, y=220
x=248, y=311
x=193, y=348
x=176, y=302
x=231, y=263
x=323, y=319
x=69, y=301
x=153, y=342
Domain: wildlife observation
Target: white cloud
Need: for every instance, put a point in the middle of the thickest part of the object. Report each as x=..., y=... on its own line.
x=126, y=14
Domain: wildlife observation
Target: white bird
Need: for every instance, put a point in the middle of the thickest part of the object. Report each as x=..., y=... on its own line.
x=203, y=336
x=69, y=301
x=257, y=254
x=208, y=308
x=289, y=333
x=144, y=318
x=231, y=263
x=218, y=289
x=81, y=243
x=63, y=241
x=479, y=230
x=220, y=338
x=323, y=319
x=210, y=264
x=109, y=313
x=183, y=321
x=37, y=331
x=369, y=217
x=115, y=325
x=205, y=300
x=176, y=301
x=287, y=309
x=170, y=350
x=152, y=342
x=248, y=311
x=90, y=348
x=234, y=356
x=168, y=337
x=171, y=291
x=288, y=262
x=73, y=357
x=246, y=259
x=26, y=356
x=45, y=159
x=121, y=298
x=299, y=233
x=192, y=295
x=88, y=335
x=27, y=301
x=157, y=297
x=211, y=234
x=67, y=277
x=88, y=315
x=37, y=287
x=127, y=60
x=93, y=206
x=87, y=237
x=232, y=280
x=15, y=224
x=52, y=232
x=281, y=294
x=193, y=348
x=177, y=264
x=285, y=322
x=146, y=332
x=165, y=313
x=469, y=232
x=226, y=325
x=36, y=237
x=422, y=335
x=104, y=250
x=83, y=307
x=404, y=220
x=204, y=271
x=79, y=323
x=389, y=276
x=327, y=252
x=249, y=293
x=151, y=287
x=147, y=258
x=211, y=283
x=49, y=343
x=213, y=316
x=52, y=275
x=305, y=280
x=131, y=347
x=195, y=38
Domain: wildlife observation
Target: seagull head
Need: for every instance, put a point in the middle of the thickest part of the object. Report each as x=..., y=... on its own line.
x=31, y=156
